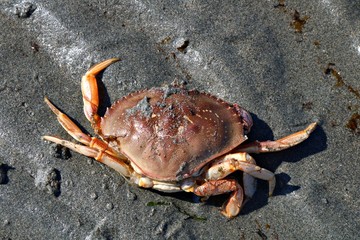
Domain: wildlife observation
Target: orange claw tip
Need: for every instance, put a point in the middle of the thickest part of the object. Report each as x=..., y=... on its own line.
x=311, y=127
x=51, y=106
x=115, y=59
x=111, y=60
x=95, y=69
x=46, y=100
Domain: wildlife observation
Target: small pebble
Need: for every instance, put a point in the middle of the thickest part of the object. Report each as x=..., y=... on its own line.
x=105, y=186
x=93, y=196
x=324, y=200
x=68, y=183
x=25, y=9
x=109, y=206
x=78, y=223
x=152, y=212
x=181, y=44
x=130, y=195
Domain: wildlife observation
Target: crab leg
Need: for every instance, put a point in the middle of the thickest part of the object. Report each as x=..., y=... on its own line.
x=244, y=162
x=216, y=184
x=280, y=144
x=74, y=131
x=216, y=187
x=100, y=155
x=89, y=89
x=94, y=148
x=68, y=125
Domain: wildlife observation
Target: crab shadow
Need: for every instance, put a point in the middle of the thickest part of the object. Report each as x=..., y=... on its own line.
x=261, y=131
x=4, y=169
x=104, y=97
x=317, y=142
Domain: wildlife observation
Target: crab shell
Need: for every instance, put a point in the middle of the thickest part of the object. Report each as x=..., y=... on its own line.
x=171, y=133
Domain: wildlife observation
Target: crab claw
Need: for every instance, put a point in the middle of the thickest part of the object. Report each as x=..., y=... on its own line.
x=89, y=89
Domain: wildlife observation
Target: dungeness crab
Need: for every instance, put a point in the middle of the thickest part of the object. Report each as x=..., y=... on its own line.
x=174, y=139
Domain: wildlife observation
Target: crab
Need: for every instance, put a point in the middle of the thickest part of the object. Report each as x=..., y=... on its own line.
x=173, y=139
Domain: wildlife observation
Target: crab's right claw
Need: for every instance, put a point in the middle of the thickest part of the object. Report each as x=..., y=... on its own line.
x=89, y=89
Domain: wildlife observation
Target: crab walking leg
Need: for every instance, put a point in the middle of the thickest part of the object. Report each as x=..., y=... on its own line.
x=249, y=185
x=280, y=144
x=249, y=182
x=232, y=207
x=89, y=89
x=100, y=155
x=68, y=125
x=245, y=163
x=74, y=131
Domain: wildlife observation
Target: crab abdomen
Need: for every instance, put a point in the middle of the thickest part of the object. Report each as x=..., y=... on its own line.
x=171, y=133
